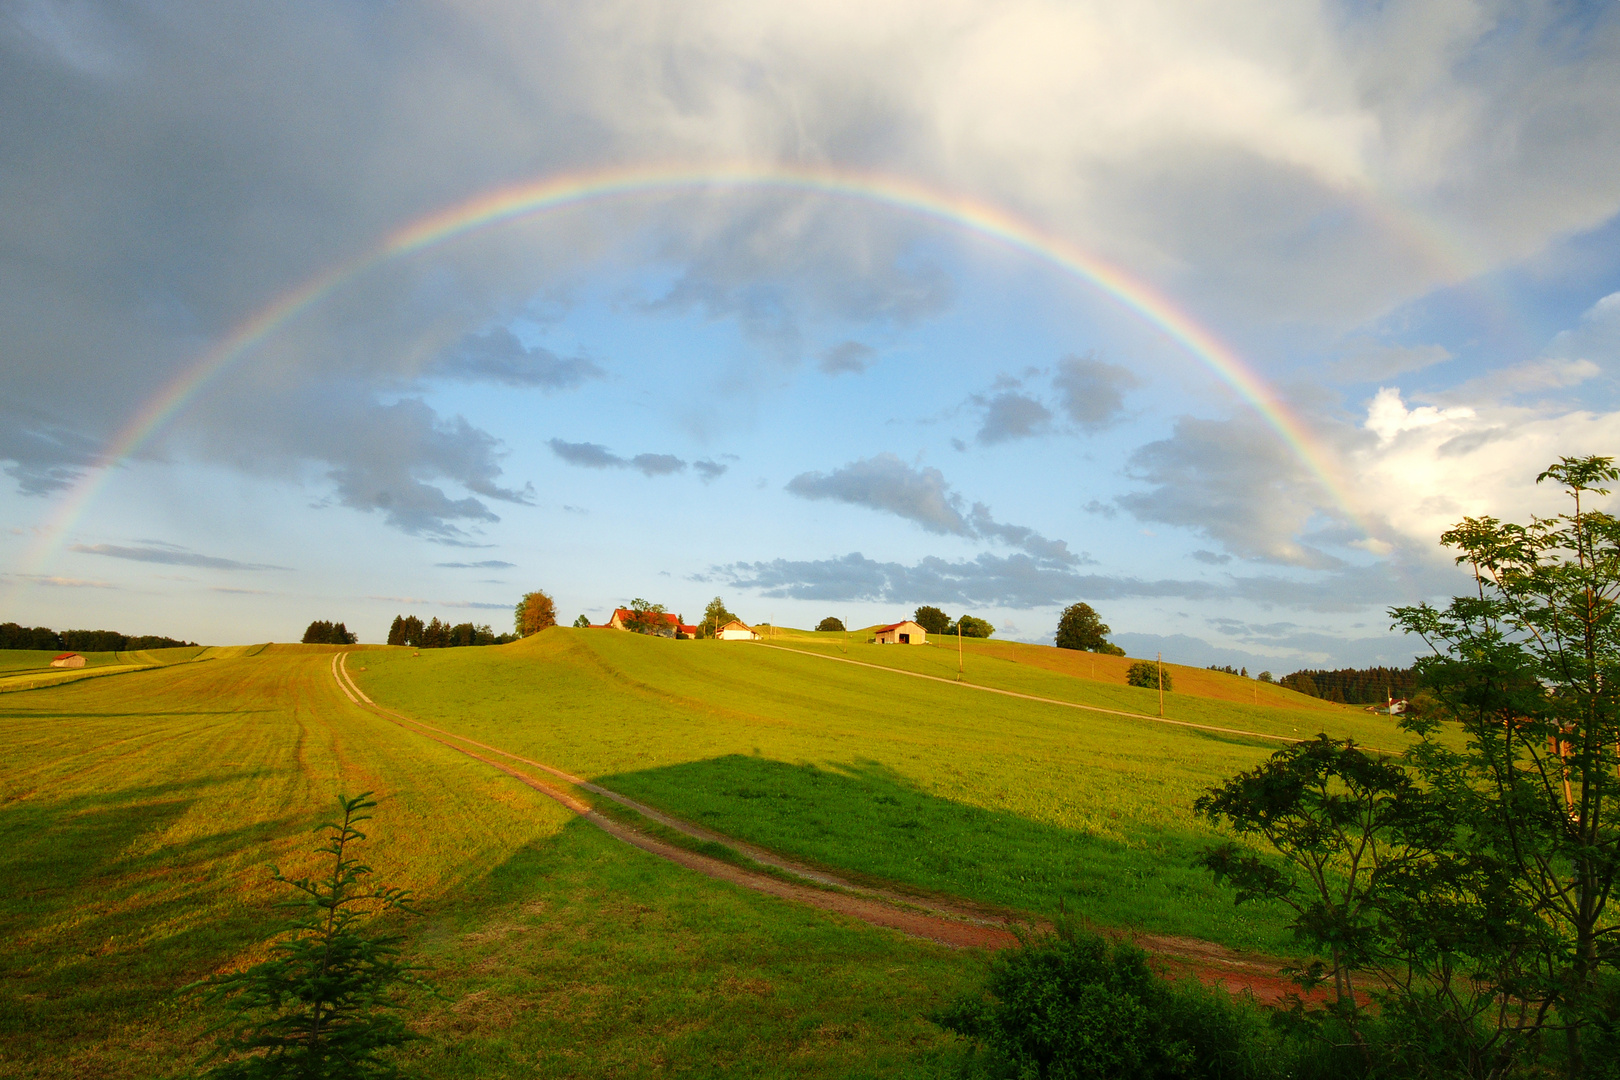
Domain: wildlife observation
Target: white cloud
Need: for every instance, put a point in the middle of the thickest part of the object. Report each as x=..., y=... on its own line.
x=1429, y=467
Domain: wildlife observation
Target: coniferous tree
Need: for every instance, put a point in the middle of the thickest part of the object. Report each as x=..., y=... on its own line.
x=328, y=1000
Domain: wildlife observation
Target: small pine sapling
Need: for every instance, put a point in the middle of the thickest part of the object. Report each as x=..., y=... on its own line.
x=328, y=1001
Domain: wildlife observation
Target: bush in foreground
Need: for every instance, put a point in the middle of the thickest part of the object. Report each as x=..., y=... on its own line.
x=1074, y=1005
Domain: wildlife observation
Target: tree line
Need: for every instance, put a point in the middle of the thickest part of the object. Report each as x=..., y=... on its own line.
x=433, y=634
x=13, y=636
x=1355, y=686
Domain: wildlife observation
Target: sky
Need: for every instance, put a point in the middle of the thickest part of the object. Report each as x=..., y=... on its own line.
x=1213, y=316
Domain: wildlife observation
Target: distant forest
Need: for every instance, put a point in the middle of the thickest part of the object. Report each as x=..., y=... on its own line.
x=13, y=636
x=1355, y=686
x=409, y=630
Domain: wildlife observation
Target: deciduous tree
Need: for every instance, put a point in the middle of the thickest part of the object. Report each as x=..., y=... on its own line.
x=830, y=624
x=715, y=616
x=1079, y=627
x=972, y=627
x=534, y=613
x=1529, y=668
x=932, y=619
x=647, y=617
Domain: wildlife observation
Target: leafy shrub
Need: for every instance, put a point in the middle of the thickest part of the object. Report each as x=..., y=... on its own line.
x=1071, y=1006
x=1145, y=674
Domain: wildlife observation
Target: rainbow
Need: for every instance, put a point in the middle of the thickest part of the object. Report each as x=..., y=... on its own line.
x=510, y=204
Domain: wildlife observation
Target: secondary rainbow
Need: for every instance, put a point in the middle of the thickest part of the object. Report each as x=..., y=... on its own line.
x=510, y=204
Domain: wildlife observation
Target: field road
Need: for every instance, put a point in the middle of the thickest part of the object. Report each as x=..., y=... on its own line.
x=950, y=921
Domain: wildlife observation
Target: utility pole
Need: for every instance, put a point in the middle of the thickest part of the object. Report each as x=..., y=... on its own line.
x=1160, y=662
x=958, y=650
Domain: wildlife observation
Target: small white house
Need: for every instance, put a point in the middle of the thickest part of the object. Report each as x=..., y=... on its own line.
x=735, y=630
x=901, y=633
x=68, y=659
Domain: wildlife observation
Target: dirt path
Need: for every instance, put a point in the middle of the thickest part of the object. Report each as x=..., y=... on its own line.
x=948, y=920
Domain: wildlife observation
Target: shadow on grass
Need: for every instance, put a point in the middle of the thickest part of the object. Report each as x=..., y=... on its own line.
x=868, y=819
x=99, y=920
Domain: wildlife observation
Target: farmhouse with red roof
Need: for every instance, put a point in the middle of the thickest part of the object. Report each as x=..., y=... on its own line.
x=666, y=624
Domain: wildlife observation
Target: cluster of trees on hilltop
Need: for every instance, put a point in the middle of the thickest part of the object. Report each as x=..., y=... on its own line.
x=409, y=630
x=13, y=636
x=936, y=622
x=1355, y=686
x=322, y=632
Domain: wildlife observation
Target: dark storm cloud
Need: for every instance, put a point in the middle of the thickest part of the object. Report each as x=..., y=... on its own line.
x=596, y=456
x=498, y=356
x=922, y=495
x=169, y=555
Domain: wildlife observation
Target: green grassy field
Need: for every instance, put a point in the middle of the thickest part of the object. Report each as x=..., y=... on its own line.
x=138, y=817
x=1008, y=802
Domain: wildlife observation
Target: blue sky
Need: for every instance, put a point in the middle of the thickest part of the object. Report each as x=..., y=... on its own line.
x=1402, y=219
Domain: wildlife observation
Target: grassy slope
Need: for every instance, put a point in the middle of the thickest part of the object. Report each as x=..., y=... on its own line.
x=138, y=816
x=1003, y=800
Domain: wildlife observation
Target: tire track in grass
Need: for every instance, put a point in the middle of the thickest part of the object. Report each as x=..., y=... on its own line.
x=956, y=923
